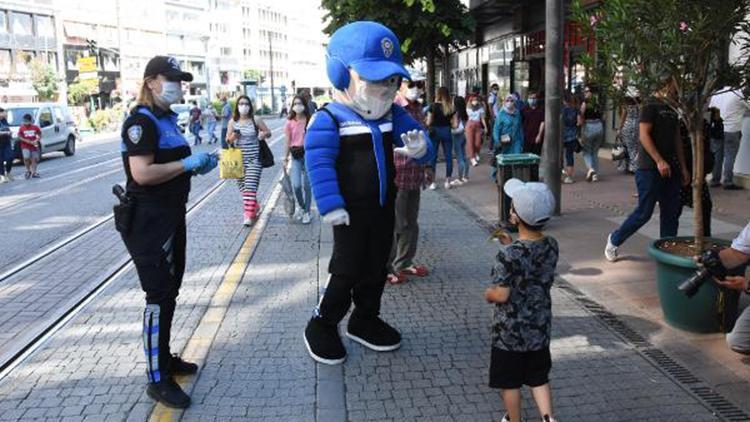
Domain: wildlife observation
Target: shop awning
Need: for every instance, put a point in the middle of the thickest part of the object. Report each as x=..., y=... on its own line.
x=487, y=12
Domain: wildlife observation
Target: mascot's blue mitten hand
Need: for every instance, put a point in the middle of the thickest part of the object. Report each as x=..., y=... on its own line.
x=337, y=217
x=211, y=164
x=415, y=144
x=195, y=161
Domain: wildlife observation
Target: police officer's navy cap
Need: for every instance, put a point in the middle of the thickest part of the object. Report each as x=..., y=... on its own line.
x=370, y=48
x=167, y=66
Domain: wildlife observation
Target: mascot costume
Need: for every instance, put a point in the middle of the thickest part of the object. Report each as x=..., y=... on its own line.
x=349, y=149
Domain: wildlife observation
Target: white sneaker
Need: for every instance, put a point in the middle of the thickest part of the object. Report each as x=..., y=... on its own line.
x=465, y=180
x=610, y=251
x=447, y=184
x=297, y=214
x=568, y=180
x=248, y=222
x=306, y=218
x=433, y=186
x=590, y=175
x=3, y=179
x=456, y=182
x=594, y=177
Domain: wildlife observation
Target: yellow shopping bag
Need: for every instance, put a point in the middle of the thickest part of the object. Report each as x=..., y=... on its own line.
x=230, y=166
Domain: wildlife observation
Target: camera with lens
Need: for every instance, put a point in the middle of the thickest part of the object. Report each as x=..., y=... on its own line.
x=711, y=267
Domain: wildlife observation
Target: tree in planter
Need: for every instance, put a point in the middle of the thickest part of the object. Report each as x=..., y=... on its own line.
x=79, y=92
x=424, y=27
x=44, y=80
x=642, y=43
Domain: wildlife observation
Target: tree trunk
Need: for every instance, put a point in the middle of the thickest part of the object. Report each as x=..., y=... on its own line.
x=698, y=181
x=430, y=85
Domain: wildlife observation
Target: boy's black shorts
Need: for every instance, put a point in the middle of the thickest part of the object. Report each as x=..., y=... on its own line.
x=511, y=370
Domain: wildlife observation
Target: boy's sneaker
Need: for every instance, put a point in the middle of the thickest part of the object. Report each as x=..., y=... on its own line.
x=594, y=177
x=169, y=393
x=568, y=180
x=306, y=218
x=373, y=333
x=324, y=343
x=610, y=251
x=590, y=175
x=433, y=186
x=177, y=366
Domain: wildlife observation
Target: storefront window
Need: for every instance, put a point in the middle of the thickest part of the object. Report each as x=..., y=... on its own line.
x=45, y=26
x=21, y=24
x=3, y=22
x=5, y=62
x=23, y=62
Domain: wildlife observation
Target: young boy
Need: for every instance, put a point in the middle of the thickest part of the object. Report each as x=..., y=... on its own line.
x=522, y=278
x=30, y=135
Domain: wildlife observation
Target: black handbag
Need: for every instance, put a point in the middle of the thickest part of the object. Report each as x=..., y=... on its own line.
x=298, y=153
x=265, y=156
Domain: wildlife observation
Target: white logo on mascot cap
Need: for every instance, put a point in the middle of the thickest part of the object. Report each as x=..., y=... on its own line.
x=387, y=47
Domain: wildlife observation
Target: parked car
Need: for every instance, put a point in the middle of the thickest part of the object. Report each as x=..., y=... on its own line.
x=183, y=115
x=59, y=131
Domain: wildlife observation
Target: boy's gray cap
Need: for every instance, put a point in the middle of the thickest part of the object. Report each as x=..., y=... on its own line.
x=533, y=201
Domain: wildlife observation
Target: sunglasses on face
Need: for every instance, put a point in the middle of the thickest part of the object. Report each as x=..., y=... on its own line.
x=247, y=104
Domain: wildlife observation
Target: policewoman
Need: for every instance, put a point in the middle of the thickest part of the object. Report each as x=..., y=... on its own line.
x=151, y=216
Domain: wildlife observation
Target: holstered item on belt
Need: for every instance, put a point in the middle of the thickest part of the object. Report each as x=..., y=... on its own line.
x=124, y=210
x=297, y=152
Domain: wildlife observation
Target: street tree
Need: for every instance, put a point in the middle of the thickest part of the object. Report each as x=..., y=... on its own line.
x=44, y=80
x=643, y=44
x=425, y=28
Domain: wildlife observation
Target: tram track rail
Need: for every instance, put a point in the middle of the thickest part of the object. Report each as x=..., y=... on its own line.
x=11, y=359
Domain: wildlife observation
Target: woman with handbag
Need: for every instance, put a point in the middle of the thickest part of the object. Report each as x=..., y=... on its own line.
x=245, y=133
x=592, y=133
x=294, y=129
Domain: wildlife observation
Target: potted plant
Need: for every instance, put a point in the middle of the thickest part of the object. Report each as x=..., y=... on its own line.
x=639, y=45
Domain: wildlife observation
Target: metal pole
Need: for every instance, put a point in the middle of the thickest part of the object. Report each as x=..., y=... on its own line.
x=270, y=56
x=205, y=68
x=551, y=163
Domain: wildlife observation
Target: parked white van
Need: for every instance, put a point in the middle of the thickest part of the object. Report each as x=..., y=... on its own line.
x=59, y=131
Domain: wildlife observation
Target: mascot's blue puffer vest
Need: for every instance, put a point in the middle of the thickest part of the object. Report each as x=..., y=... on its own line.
x=350, y=160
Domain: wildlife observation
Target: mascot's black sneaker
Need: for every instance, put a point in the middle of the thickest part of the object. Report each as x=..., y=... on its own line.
x=168, y=393
x=177, y=366
x=324, y=343
x=373, y=333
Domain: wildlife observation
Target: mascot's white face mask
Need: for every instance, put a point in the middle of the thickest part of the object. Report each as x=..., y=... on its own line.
x=371, y=100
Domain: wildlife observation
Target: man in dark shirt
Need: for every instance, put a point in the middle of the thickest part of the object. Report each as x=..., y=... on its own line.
x=661, y=170
x=533, y=125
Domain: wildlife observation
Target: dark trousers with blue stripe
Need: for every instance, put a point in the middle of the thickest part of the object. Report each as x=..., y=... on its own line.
x=157, y=242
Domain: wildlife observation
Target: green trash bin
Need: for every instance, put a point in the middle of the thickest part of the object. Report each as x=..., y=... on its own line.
x=524, y=167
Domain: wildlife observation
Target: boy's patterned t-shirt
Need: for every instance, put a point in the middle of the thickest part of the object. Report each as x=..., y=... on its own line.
x=523, y=323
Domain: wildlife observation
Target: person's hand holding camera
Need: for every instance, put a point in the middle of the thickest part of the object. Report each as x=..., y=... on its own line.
x=734, y=282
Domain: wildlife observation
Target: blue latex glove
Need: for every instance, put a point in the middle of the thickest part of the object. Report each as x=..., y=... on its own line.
x=211, y=164
x=195, y=161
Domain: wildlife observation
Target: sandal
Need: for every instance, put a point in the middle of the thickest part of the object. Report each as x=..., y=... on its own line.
x=395, y=278
x=415, y=270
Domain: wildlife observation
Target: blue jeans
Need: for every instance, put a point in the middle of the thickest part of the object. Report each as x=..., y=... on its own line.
x=301, y=183
x=442, y=136
x=592, y=138
x=211, y=130
x=725, y=151
x=459, y=148
x=653, y=188
x=224, y=138
x=570, y=150
x=195, y=129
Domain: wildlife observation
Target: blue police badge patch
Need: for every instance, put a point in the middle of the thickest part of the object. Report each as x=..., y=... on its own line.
x=134, y=133
x=387, y=45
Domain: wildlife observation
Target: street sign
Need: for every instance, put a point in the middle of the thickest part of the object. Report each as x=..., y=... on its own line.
x=86, y=65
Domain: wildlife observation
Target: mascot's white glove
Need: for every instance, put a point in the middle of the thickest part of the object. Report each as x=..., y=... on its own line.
x=337, y=217
x=415, y=144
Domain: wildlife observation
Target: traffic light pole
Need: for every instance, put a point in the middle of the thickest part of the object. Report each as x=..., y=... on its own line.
x=551, y=164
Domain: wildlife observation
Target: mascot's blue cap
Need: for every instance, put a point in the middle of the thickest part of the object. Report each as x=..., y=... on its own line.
x=369, y=48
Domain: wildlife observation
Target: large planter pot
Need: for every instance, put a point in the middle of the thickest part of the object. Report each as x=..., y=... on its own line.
x=698, y=314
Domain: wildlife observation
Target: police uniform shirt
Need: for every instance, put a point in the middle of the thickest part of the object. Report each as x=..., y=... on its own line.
x=140, y=136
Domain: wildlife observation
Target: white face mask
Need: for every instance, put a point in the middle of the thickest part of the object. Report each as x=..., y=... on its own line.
x=371, y=100
x=412, y=94
x=299, y=109
x=171, y=93
x=244, y=109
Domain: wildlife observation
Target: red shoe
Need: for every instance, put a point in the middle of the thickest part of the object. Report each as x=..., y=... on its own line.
x=395, y=278
x=415, y=271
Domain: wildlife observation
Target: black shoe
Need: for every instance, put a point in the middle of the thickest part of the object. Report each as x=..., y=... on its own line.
x=177, y=366
x=168, y=393
x=373, y=333
x=732, y=186
x=324, y=343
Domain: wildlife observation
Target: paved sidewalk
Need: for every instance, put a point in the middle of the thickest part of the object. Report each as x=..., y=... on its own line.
x=258, y=366
x=627, y=288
